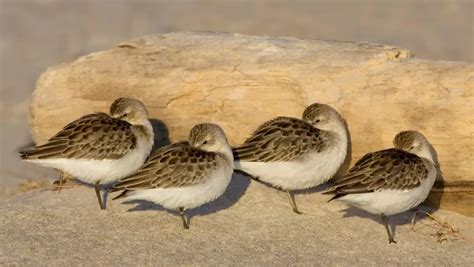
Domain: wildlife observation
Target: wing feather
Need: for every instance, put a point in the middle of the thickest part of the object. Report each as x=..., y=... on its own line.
x=94, y=136
x=175, y=165
x=281, y=139
x=389, y=169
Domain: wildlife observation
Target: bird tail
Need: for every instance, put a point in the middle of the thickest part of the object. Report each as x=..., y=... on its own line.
x=334, y=192
x=121, y=195
x=28, y=153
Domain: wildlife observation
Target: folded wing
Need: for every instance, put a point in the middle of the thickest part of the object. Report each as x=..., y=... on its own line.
x=177, y=165
x=390, y=169
x=96, y=136
x=281, y=139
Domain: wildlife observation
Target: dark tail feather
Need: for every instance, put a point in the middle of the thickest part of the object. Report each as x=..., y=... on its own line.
x=24, y=154
x=121, y=195
x=335, y=194
x=235, y=153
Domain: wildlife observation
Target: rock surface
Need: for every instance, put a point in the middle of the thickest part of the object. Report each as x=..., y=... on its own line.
x=241, y=81
x=251, y=224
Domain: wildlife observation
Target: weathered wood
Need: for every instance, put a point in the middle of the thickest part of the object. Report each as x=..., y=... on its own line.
x=456, y=196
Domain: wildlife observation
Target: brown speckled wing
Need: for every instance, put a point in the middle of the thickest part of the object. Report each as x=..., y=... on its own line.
x=176, y=165
x=281, y=139
x=387, y=169
x=95, y=136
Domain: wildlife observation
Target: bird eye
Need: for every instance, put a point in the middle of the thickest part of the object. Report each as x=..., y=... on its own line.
x=318, y=120
x=124, y=115
x=205, y=142
x=412, y=147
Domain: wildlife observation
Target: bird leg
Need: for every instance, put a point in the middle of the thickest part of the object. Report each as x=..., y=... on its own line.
x=291, y=198
x=183, y=217
x=446, y=231
x=443, y=224
x=385, y=222
x=413, y=219
x=99, y=198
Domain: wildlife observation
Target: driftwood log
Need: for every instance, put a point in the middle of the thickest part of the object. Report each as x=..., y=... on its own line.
x=240, y=81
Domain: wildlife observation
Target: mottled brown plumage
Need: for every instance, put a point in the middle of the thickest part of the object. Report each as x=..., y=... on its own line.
x=183, y=175
x=282, y=139
x=390, y=169
x=390, y=181
x=99, y=148
x=175, y=165
x=95, y=136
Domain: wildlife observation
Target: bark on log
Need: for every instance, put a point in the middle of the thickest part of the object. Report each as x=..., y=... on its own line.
x=240, y=81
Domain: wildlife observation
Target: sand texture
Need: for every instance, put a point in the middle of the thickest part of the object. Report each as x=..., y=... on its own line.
x=251, y=224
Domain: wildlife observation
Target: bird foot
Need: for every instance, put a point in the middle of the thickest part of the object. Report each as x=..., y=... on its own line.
x=295, y=210
x=444, y=231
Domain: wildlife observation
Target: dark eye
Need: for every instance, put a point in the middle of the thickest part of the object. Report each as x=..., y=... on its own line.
x=205, y=142
x=412, y=147
x=124, y=115
x=318, y=120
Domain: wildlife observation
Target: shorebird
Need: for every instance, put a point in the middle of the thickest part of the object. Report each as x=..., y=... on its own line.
x=390, y=181
x=184, y=175
x=293, y=154
x=99, y=148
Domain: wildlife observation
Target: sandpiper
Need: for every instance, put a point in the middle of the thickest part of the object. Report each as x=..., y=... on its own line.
x=99, y=148
x=293, y=154
x=390, y=181
x=183, y=175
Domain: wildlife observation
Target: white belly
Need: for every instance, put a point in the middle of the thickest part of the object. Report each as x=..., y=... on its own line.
x=314, y=170
x=390, y=202
x=187, y=197
x=103, y=171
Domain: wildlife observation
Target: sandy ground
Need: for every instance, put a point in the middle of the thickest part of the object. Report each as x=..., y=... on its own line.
x=251, y=224
x=37, y=34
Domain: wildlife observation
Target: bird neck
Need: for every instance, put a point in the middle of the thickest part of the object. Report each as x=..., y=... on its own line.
x=339, y=130
x=425, y=152
x=226, y=151
x=146, y=128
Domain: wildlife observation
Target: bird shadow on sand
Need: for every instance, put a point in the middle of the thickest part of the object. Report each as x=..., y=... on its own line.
x=161, y=134
x=315, y=189
x=394, y=220
x=236, y=189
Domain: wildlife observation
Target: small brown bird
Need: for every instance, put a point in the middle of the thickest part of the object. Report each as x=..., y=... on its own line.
x=390, y=181
x=183, y=175
x=99, y=148
x=294, y=154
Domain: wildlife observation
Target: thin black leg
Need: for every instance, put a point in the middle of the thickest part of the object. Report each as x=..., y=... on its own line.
x=99, y=198
x=385, y=222
x=183, y=217
x=292, y=202
x=413, y=219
